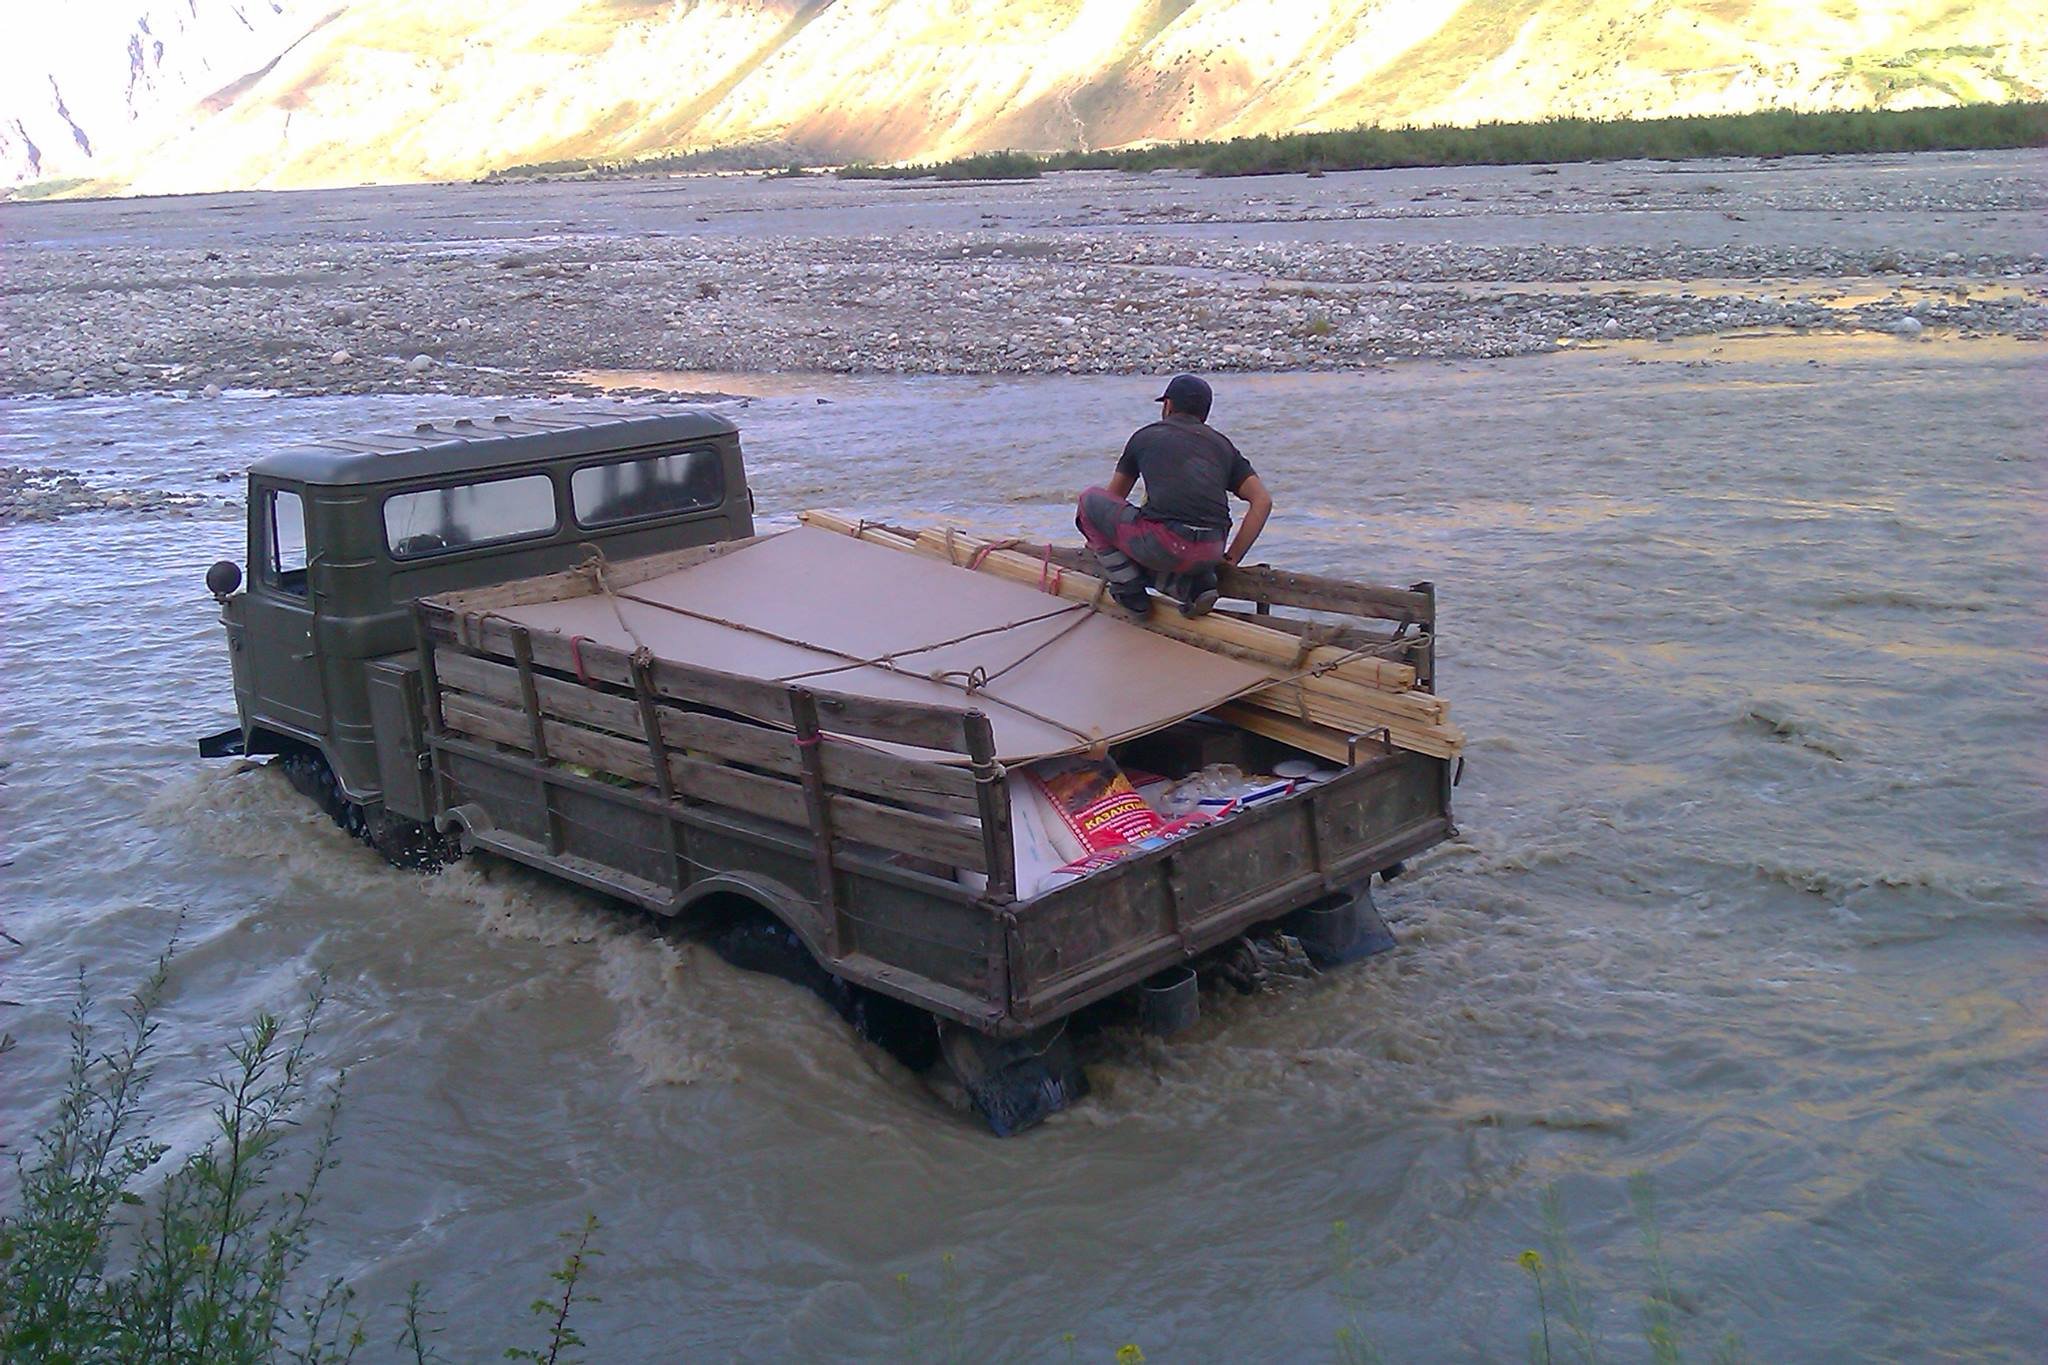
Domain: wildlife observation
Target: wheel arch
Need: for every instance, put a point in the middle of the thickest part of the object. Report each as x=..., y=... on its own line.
x=761, y=893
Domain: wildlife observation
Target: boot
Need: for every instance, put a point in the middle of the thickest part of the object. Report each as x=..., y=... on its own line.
x=1201, y=594
x=1133, y=598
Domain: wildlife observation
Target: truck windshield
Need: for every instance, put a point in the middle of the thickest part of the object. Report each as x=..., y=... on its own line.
x=652, y=486
x=434, y=521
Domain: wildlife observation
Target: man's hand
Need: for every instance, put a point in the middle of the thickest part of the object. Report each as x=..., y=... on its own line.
x=1259, y=506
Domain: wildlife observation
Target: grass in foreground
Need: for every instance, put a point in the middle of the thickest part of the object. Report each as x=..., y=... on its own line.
x=209, y=1269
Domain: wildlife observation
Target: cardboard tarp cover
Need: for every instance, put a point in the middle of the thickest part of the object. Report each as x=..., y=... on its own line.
x=817, y=608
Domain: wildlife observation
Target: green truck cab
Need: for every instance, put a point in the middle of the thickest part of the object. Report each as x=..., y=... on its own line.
x=346, y=534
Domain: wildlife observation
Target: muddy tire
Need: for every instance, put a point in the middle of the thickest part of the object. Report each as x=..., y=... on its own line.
x=755, y=941
x=1016, y=1083
x=402, y=843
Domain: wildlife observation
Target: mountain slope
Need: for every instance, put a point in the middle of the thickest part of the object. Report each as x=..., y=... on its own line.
x=389, y=90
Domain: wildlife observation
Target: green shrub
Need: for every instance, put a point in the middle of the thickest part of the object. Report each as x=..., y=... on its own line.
x=1771, y=132
x=208, y=1271
x=981, y=166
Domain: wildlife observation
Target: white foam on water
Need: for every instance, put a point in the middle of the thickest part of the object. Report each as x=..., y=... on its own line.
x=673, y=1022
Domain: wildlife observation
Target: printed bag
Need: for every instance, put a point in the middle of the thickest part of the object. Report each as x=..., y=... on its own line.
x=1096, y=802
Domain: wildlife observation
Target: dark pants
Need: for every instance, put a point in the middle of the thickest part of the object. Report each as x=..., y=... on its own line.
x=1137, y=552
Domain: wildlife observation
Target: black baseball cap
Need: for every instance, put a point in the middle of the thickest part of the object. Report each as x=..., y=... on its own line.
x=1188, y=394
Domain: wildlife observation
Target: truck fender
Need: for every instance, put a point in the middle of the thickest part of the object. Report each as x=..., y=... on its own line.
x=769, y=894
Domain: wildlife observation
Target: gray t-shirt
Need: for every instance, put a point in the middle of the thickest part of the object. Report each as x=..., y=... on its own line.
x=1188, y=468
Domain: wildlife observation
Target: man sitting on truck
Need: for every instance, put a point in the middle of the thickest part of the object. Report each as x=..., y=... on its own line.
x=1176, y=540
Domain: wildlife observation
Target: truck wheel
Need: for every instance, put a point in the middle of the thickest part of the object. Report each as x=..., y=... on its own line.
x=403, y=843
x=755, y=941
x=1014, y=1083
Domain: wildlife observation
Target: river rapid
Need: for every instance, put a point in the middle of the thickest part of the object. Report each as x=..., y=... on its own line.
x=1749, y=896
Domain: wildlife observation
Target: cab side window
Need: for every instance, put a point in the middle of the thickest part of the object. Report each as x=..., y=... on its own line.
x=654, y=486
x=284, y=562
x=433, y=521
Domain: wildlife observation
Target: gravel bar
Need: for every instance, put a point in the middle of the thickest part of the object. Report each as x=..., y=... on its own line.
x=519, y=288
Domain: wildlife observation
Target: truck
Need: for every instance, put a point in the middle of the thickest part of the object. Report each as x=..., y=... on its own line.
x=851, y=827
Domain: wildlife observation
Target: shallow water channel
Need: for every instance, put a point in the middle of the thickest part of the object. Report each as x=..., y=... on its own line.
x=1749, y=896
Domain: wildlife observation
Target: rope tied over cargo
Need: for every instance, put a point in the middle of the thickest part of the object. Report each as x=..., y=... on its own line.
x=597, y=569
x=1050, y=575
x=974, y=681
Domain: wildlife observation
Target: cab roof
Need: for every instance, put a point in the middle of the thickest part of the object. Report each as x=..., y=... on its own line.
x=483, y=445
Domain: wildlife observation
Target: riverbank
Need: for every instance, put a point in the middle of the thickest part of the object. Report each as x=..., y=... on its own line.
x=514, y=289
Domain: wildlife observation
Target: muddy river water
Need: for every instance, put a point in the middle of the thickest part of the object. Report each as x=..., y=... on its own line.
x=1749, y=896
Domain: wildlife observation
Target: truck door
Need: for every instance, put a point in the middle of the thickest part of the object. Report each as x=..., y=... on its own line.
x=279, y=614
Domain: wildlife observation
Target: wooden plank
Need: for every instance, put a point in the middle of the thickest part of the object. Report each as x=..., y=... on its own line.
x=567, y=700
x=847, y=766
x=438, y=799
x=693, y=779
x=1270, y=586
x=1282, y=588
x=1320, y=740
x=1425, y=666
x=769, y=797
x=503, y=725
x=537, y=739
x=901, y=831
x=994, y=799
x=803, y=714
x=1339, y=695
x=1438, y=741
x=529, y=695
x=1385, y=643
x=910, y=780
x=1399, y=605
x=664, y=783
x=1315, y=592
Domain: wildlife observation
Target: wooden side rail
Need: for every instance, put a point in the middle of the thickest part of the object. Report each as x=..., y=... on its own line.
x=915, y=724
x=1280, y=588
x=631, y=726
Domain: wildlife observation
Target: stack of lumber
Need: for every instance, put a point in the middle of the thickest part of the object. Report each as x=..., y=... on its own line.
x=1322, y=696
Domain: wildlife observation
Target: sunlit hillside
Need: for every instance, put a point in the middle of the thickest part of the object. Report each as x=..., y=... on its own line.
x=392, y=90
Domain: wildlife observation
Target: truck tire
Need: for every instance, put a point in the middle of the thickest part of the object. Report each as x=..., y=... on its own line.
x=754, y=940
x=1015, y=1083
x=402, y=843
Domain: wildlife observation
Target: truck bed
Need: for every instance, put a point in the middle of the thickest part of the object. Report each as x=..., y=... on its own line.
x=871, y=813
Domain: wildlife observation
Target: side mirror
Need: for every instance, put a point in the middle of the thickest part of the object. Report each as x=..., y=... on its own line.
x=223, y=578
